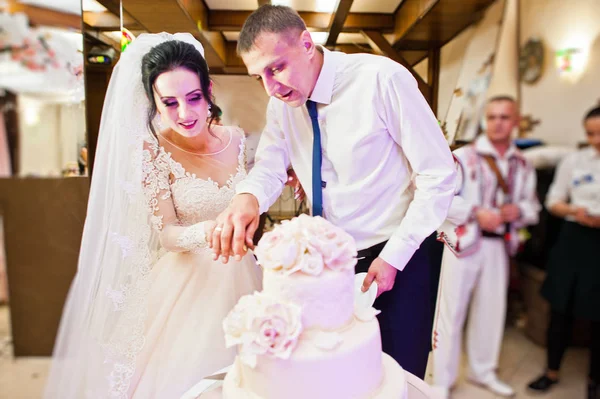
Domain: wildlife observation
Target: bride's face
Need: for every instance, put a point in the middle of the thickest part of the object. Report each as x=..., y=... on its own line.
x=180, y=102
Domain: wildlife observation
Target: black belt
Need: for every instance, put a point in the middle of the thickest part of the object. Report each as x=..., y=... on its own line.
x=371, y=252
x=492, y=235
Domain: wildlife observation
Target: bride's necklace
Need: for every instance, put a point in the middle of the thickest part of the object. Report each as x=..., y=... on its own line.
x=195, y=153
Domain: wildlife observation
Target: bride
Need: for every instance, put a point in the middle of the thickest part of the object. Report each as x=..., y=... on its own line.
x=144, y=315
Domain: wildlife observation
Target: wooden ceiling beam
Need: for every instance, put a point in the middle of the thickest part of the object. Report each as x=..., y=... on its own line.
x=113, y=6
x=413, y=57
x=179, y=16
x=214, y=43
x=353, y=48
x=42, y=16
x=382, y=46
x=435, y=22
x=233, y=20
x=416, y=45
x=113, y=28
x=100, y=38
x=338, y=19
x=232, y=58
x=433, y=77
x=408, y=15
x=107, y=21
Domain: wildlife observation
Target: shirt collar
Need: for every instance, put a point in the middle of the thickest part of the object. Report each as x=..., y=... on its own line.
x=324, y=87
x=592, y=152
x=483, y=145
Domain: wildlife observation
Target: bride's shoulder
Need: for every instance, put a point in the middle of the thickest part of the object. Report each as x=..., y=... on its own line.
x=234, y=134
x=154, y=150
x=235, y=131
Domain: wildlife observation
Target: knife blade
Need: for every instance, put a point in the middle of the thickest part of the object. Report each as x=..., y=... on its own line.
x=218, y=377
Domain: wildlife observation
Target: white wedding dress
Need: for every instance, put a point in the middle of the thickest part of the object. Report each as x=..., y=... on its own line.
x=144, y=314
x=190, y=293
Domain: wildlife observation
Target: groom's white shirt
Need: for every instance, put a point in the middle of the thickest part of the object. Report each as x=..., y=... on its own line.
x=377, y=132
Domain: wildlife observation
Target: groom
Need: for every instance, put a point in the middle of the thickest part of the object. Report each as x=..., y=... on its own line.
x=378, y=167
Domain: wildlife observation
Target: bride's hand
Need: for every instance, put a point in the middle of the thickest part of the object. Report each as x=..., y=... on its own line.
x=209, y=227
x=235, y=228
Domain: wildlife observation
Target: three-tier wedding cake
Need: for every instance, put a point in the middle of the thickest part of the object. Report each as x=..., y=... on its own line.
x=302, y=336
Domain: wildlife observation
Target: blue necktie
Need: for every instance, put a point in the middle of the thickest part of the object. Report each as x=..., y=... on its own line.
x=317, y=187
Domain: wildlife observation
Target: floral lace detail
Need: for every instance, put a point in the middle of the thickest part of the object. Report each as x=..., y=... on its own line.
x=156, y=167
x=124, y=242
x=130, y=303
x=115, y=312
x=117, y=297
x=196, y=199
x=193, y=238
x=129, y=295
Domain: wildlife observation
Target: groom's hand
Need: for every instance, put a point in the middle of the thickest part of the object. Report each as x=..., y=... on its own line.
x=381, y=272
x=235, y=228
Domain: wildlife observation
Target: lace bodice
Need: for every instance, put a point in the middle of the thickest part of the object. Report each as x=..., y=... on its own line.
x=196, y=199
x=177, y=196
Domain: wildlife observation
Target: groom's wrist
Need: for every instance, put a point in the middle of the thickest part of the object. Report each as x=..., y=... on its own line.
x=248, y=197
x=250, y=191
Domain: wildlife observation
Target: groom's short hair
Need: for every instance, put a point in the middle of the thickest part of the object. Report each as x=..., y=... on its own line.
x=268, y=18
x=502, y=97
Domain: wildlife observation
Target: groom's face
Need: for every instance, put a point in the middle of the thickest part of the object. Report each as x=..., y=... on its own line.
x=282, y=63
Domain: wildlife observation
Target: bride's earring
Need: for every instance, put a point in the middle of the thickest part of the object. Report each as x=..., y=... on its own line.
x=158, y=122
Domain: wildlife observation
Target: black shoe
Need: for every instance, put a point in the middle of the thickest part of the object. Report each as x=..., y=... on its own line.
x=593, y=390
x=542, y=384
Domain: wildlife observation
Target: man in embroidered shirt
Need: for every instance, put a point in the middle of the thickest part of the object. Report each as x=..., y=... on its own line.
x=497, y=198
x=376, y=131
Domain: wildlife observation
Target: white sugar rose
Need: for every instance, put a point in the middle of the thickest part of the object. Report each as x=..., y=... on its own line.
x=279, y=250
x=234, y=324
x=336, y=246
x=306, y=244
x=311, y=262
x=262, y=325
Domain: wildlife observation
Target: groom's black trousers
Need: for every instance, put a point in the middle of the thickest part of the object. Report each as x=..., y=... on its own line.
x=406, y=317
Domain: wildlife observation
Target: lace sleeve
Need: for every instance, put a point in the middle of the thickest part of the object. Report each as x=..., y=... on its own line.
x=163, y=217
x=157, y=189
x=192, y=238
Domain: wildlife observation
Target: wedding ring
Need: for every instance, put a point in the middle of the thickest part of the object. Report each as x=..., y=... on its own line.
x=218, y=228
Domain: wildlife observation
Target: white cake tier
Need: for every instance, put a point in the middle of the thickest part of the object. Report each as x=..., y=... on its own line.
x=352, y=370
x=393, y=385
x=327, y=300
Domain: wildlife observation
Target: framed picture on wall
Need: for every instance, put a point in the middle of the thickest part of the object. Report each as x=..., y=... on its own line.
x=531, y=61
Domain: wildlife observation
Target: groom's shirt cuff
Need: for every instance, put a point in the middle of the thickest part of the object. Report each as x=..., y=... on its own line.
x=397, y=252
x=246, y=187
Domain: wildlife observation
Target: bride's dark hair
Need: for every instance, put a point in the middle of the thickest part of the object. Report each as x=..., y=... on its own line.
x=168, y=56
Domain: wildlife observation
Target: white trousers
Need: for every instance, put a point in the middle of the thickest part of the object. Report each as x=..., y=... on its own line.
x=482, y=280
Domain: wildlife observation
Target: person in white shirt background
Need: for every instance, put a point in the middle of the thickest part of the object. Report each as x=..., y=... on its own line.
x=482, y=237
x=376, y=130
x=572, y=285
